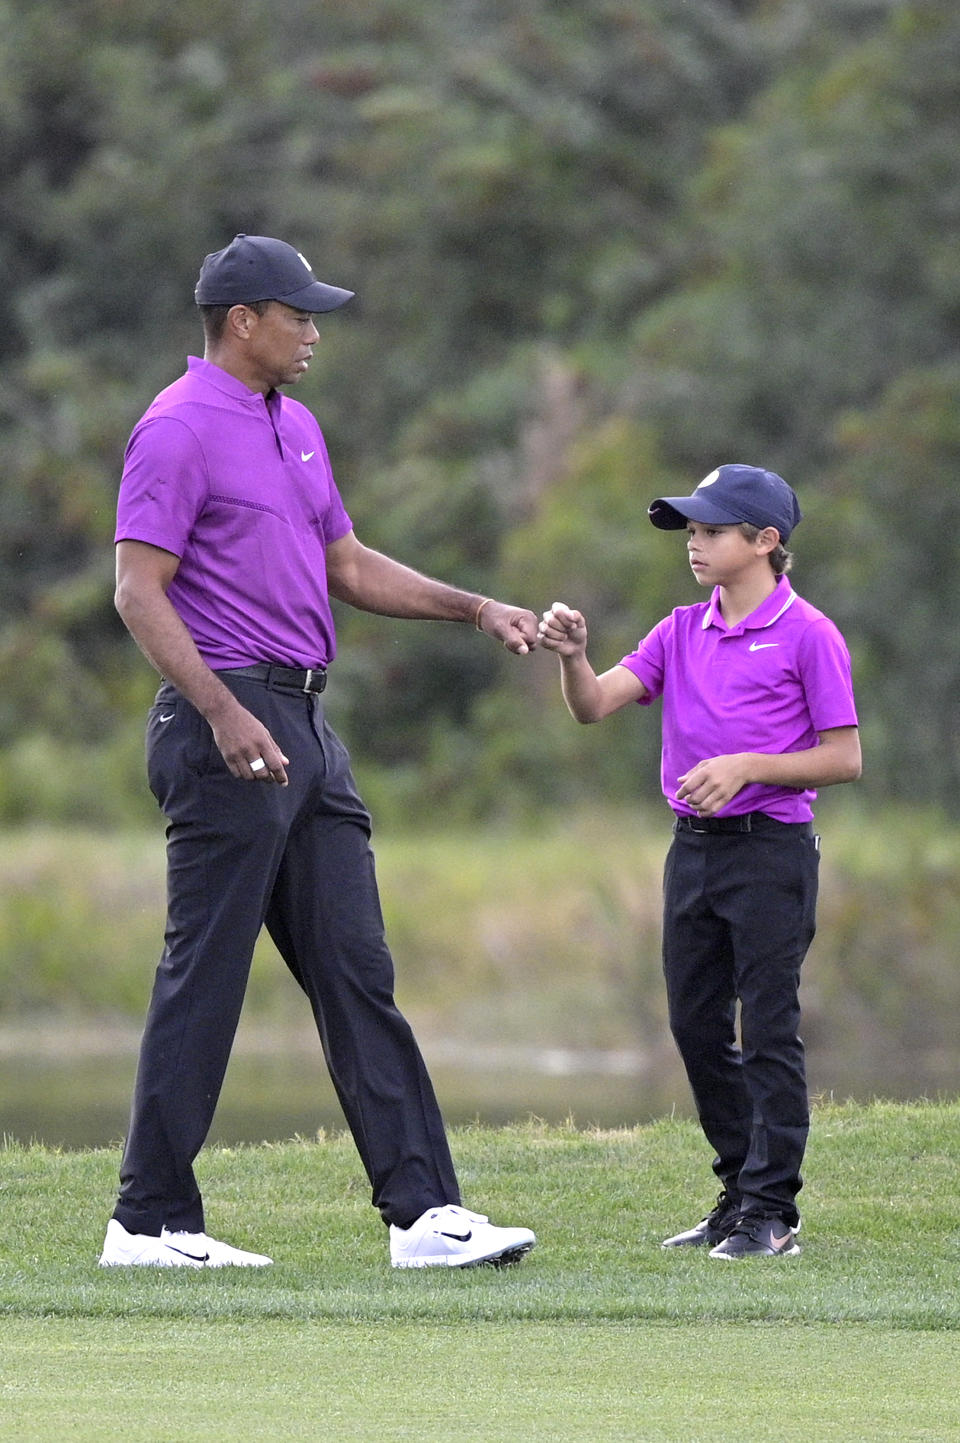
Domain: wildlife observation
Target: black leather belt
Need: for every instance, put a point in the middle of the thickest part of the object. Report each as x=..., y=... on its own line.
x=747, y=822
x=311, y=679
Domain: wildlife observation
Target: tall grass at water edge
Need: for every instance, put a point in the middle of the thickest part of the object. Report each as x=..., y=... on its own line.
x=546, y=936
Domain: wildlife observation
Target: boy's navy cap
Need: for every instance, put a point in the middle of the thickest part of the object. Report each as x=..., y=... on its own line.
x=730, y=495
x=259, y=268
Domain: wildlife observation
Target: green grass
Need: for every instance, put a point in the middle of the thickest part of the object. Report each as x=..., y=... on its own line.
x=597, y=1335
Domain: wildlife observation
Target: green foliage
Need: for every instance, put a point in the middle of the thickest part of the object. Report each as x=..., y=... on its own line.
x=827, y=217
x=598, y=248
x=888, y=519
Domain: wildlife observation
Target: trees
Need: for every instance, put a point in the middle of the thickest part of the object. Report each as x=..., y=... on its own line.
x=889, y=519
x=597, y=248
x=826, y=218
x=818, y=330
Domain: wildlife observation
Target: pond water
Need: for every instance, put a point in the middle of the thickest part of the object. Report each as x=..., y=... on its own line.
x=71, y=1087
x=73, y=1090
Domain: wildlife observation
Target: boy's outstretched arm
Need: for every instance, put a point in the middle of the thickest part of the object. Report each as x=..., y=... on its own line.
x=589, y=697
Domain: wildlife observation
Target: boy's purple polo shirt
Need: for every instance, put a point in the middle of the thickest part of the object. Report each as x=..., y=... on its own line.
x=769, y=684
x=240, y=488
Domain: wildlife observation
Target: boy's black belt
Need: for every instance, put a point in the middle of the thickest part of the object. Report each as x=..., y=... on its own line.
x=311, y=679
x=746, y=822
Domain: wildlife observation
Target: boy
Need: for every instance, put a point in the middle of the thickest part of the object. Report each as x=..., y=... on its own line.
x=758, y=712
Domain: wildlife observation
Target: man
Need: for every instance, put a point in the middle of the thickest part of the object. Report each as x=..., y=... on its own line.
x=231, y=538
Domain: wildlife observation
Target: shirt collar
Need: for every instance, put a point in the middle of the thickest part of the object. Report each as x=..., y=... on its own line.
x=770, y=609
x=222, y=380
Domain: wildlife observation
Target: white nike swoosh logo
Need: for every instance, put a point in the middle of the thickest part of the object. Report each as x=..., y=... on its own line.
x=762, y=645
x=305, y=455
x=169, y=716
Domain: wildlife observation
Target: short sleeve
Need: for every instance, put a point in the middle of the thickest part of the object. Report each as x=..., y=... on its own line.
x=648, y=662
x=824, y=663
x=164, y=485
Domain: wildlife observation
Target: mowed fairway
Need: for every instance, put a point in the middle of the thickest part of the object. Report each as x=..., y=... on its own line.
x=597, y=1335
x=101, y=1380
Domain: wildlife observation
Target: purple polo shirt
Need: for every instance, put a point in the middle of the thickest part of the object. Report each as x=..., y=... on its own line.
x=769, y=684
x=239, y=486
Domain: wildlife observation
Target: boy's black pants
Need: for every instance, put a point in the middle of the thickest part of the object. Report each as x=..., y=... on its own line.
x=739, y=916
x=241, y=855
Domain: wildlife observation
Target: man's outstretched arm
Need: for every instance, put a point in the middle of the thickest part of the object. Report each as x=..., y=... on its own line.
x=371, y=581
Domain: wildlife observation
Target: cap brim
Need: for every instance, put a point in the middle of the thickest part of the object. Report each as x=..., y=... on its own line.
x=316, y=297
x=671, y=513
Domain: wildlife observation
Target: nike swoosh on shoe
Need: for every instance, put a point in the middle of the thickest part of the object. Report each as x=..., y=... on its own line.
x=194, y=1257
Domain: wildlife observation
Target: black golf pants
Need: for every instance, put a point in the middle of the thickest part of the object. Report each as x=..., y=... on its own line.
x=241, y=855
x=739, y=916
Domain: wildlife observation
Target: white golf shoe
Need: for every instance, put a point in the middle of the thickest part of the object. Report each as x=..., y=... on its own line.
x=451, y=1237
x=219, y=1255
x=172, y=1250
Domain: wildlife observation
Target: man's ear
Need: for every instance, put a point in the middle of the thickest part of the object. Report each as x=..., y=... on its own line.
x=241, y=321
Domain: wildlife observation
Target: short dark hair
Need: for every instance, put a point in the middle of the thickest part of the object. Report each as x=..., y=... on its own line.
x=780, y=558
x=214, y=318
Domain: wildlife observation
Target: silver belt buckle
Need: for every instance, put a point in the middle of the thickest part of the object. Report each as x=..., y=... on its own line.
x=309, y=678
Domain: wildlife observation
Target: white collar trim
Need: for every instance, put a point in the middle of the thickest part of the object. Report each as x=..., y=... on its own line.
x=712, y=610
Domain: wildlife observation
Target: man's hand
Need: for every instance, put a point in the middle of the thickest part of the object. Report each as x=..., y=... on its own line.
x=512, y=625
x=247, y=747
x=563, y=630
x=143, y=575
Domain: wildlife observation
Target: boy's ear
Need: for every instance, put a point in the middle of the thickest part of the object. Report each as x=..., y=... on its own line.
x=768, y=540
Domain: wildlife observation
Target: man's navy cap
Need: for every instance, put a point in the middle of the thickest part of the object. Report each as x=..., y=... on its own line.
x=730, y=495
x=259, y=268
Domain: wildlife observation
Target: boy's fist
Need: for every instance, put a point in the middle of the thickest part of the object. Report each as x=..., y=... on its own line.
x=562, y=628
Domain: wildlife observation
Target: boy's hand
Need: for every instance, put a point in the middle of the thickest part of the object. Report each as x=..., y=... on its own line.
x=711, y=784
x=563, y=630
